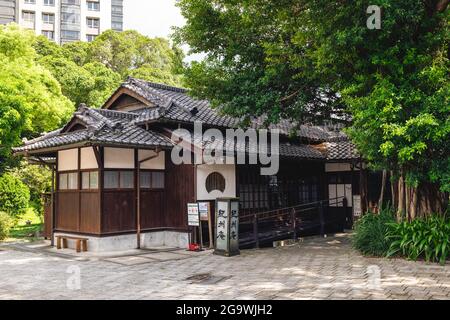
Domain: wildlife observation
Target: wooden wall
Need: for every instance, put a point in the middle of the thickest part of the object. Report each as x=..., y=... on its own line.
x=180, y=184
x=119, y=211
x=78, y=211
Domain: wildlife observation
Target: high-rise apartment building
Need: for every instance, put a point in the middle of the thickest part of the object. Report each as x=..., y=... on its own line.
x=64, y=20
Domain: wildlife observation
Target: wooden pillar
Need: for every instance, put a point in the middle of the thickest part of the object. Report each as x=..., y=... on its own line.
x=363, y=188
x=52, y=208
x=137, y=181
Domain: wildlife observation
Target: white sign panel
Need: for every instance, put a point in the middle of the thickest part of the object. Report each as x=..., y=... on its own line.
x=203, y=208
x=193, y=215
x=357, y=205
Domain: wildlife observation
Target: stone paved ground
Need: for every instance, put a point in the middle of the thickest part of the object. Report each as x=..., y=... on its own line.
x=315, y=269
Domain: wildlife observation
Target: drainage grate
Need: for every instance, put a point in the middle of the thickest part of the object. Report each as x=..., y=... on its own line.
x=206, y=278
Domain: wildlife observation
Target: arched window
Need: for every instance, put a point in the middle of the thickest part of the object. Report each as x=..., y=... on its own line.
x=215, y=181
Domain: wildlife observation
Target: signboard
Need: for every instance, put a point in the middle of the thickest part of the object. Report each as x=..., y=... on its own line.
x=357, y=206
x=203, y=208
x=227, y=227
x=222, y=226
x=193, y=215
x=234, y=227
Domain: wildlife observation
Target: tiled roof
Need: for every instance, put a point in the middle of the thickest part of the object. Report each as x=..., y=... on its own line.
x=111, y=127
x=341, y=150
x=176, y=105
x=104, y=127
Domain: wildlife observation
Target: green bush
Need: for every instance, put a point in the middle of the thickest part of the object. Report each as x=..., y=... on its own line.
x=14, y=195
x=371, y=231
x=5, y=225
x=427, y=238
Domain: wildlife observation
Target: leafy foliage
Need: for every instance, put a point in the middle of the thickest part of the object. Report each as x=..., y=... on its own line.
x=371, y=231
x=5, y=225
x=14, y=195
x=37, y=178
x=306, y=59
x=30, y=97
x=427, y=238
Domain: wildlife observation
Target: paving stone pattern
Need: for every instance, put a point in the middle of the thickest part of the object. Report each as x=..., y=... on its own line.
x=314, y=269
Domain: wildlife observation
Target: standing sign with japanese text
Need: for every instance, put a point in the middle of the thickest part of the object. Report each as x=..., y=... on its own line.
x=203, y=208
x=222, y=226
x=234, y=228
x=193, y=215
x=227, y=227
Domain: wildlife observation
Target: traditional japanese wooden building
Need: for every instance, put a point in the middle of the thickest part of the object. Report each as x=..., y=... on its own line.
x=114, y=176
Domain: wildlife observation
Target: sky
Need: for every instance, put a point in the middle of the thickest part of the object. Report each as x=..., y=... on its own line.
x=154, y=18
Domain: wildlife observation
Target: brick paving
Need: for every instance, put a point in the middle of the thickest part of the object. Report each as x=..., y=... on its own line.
x=314, y=269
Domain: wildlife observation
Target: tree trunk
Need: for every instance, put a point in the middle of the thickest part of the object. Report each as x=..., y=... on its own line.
x=383, y=187
x=407, y=201
x=394, y=191
x=363, y=189
x=413, y=208
x=401, y=197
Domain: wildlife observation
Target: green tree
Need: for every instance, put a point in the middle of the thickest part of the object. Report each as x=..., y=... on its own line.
x=105, y=82
x=14, y=195
x=130, y=52
x=37, y=178
x=297, y=59
x=31, y=101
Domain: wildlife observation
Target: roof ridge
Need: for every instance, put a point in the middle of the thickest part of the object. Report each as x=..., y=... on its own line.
x=125, y=114
x=158, y=85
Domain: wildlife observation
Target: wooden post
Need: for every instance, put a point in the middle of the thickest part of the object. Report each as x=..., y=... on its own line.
x=138, y=198
x=210, y=228
x=322, y=220
x=255, y=230
x=294, y=224
x=52, y=208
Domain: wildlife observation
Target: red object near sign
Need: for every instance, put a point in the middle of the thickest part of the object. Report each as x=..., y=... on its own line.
x=194, y=247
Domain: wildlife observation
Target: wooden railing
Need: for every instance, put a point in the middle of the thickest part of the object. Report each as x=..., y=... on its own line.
x=286, y=221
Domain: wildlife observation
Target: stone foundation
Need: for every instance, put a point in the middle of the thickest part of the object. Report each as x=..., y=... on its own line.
x=128, y=242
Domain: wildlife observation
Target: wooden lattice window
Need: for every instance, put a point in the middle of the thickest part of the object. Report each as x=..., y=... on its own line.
x=215, y=181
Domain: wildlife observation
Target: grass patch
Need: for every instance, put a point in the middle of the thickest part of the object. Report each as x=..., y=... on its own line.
x=26, y=227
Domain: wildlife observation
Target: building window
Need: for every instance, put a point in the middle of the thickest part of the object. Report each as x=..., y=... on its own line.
x=70, y=35
x=48, y=18
x=152, y=180
x=30, y=1
x=68, y=181
x=215, y=181
x=119, y=179
x=50, y=35
x=90, y=37
x=93, y=6
x=68, y=17
x=28, y=16
x=116, y=26
x=89, y=180
x=50, y=3
x=93, y=23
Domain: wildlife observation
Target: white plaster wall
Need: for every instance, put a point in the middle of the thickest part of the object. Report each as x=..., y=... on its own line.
x=117, y=158
x=88, y=160
x=68, y=160
x=128, y=242
x=229, y=173
x=158, y=163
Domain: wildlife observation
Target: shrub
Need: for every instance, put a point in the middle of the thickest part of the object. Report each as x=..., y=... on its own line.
x=14, y=195
x=427, y=238
x=5, y=225
x=370, y=236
